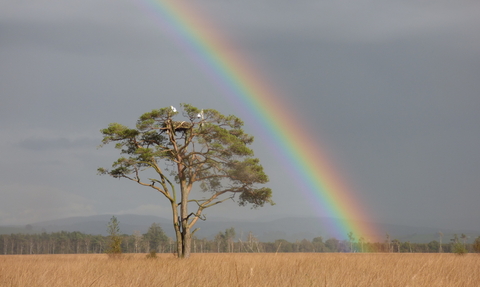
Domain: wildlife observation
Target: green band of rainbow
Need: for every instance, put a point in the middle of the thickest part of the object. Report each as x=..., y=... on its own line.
x=309, y=166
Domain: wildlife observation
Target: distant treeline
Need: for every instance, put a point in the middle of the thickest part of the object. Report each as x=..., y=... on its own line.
x=155, y=239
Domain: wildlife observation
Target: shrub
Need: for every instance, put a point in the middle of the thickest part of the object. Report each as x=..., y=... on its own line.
x=115, y=248
x=459, y=249
x=152, y=255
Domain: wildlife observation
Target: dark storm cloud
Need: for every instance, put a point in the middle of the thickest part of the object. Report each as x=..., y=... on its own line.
x=391, y=87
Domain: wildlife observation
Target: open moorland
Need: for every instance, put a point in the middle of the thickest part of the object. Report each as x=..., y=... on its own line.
x=237, y=269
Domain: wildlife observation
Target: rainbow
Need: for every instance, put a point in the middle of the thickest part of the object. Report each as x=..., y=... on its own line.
x=236, y=77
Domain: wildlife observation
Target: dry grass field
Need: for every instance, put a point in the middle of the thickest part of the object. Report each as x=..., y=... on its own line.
x=297, y=269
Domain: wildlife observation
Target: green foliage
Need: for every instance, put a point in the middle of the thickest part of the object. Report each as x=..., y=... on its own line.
x=204, y=150
x=433, y=246
x=332, y=244
x=318, y=240
x=459, y=249
x=282, y=245
x=155, y=236
x=113, y=227
x=476, y=245
x=318, y=244
x=455, y=239
x=211, y=151
x=225, y=240
x=152, y=254
x=115, y=247
x=351, y=238
x=76, y=242
x=115, y=240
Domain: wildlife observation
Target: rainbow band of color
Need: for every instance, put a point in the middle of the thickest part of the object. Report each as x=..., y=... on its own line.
x=310, y=167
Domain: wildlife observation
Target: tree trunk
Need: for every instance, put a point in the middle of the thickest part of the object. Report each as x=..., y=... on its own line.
x=186, y=243
x=5, y=245
x=186, y=236
x=178, y=233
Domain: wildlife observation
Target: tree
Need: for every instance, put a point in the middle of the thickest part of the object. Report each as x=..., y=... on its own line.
x=464, y=238
x=86, y=240
x=387, y=241
x=397, y=243
x=205, y=149
x=410, y=246
x=253, y=244
x=351, y=238
x=5, y=244
x=459, y=249
x=229, y=236
x=332, y=244
x=305, y=246
x=440, y=235
x=219, y=239
x=137, y=238
x=155, y=236
x=361, y=240
x=318, y=244
x=433, y=246
x=455, y=239
x=476, y=245
x=115, y=243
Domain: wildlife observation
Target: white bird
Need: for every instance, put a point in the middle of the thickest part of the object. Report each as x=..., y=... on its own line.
x=200, y=115
x=173, y=109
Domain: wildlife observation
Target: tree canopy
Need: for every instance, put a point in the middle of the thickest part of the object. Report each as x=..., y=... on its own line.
x=197, y=149
x=155, y=236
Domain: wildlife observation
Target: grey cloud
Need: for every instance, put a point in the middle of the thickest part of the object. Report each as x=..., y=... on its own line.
x=41, y=144
x=24, y=203
x=390, y=87
x=83, y=28
x=79, y=38
x=357, y=19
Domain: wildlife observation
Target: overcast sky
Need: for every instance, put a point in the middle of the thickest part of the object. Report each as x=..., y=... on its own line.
x=391, y=87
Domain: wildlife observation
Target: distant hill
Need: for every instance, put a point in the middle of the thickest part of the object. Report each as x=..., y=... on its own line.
x=17, y=229
x=291, y=228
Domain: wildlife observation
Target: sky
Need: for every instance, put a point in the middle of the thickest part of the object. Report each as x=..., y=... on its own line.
x=390, y=88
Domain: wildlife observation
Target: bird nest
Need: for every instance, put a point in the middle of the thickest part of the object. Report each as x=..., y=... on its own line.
x=179, y=126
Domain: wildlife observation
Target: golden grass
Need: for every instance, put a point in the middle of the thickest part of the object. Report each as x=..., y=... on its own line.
x=297, y=269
